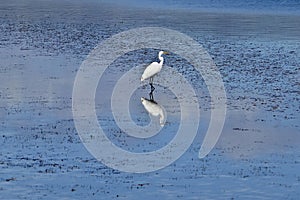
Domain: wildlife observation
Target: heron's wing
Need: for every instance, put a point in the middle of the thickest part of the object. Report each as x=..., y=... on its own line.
x=151, y=70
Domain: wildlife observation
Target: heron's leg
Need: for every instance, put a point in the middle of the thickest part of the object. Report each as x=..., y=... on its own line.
x=151, y=80
x=151, y=96
x=151, y=84
x=152, y=87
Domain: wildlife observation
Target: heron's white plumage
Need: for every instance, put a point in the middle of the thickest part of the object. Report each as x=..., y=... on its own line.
x=154, y=67
x=151, y=70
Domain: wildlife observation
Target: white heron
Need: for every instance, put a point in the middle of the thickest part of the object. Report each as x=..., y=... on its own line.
x=155, y=110
x=154, y=68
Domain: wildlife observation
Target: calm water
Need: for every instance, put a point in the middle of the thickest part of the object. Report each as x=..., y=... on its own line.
x=43, y=44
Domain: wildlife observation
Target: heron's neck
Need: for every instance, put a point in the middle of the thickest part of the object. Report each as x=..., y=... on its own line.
x=161, y=60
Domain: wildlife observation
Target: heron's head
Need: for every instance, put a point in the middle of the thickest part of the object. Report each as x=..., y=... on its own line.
x=163, y=53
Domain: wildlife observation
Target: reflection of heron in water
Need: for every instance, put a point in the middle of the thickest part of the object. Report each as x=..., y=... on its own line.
x=153, y=69
x=154, y=109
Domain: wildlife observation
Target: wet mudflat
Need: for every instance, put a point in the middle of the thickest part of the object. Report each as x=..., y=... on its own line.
x=41, y=48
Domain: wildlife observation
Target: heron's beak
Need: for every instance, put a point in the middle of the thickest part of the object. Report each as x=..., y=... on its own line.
x=166, y=53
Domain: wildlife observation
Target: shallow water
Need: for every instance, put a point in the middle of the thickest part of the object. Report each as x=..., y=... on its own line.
x=41, y=48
